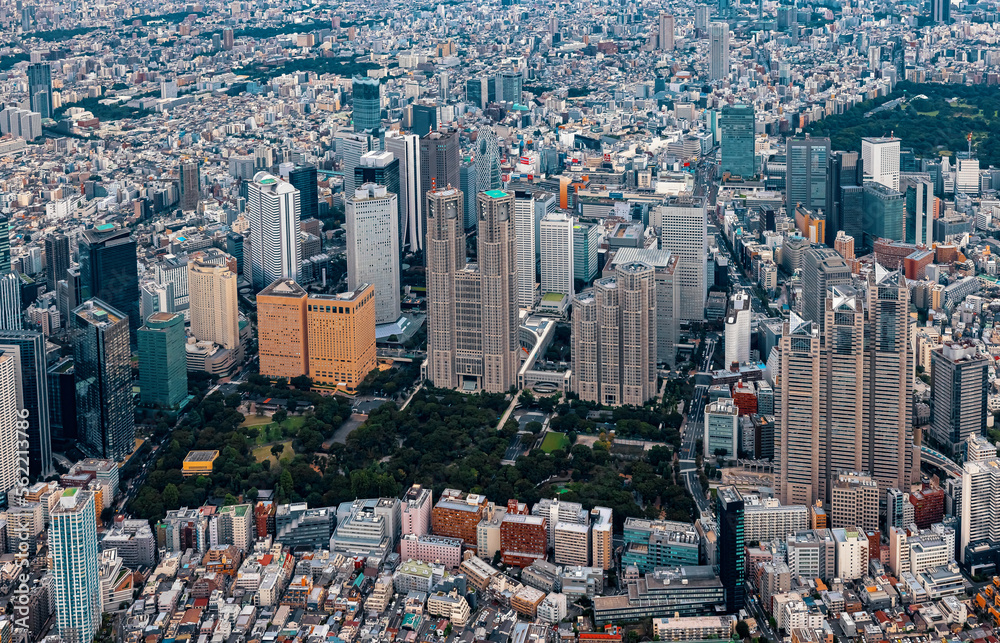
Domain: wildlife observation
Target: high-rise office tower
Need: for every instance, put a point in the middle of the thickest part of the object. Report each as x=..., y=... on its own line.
x=701, y=15
x=40, y=89
x=557, y=254
x=884, y=213
x=163, y=361
x=888, y=381
x=614, y=338
x=4, y=245
x=477, y=91
x=28, y=348
x=281, y=306
x=213, y=301
x=10, y=471
x=732, y=547
x=668, y=295
x=918, y=190
x=684, y=233
x=303, y=179
x=738, y=329
x=941, y=11
x=227, y=39
x=104, y=380
x=806, y=163
x=57, y=259
x=423, y=118
x=843, y=200
x=472, y=313
x=367, y=104
x=352, y=146
x=718, y=61
x=487, y=160
x=966, y=175
x=109, y=270
x=880, y=156
x=439, y=162
x=585, y=241
x=737, y=147
x=382, y=168
x=190, y=186
x=666, y=32
x=372, y=215
x=75, y=564
x=959, y=386
x=524, y=224
x=340, y=337
x=11, y=317
x=273, y=211
x=509, y=85
x=821, y=268
x=406, y=150
x=467, y=183
x=797, y=407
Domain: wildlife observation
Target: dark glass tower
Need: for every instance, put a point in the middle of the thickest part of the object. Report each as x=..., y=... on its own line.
x=108, y=270
x=732, y=548
x=424, y=119
x=40, y=88
x=57, y=260
x=367, y=114
x=303, y=179
x=190, y=185
x=4, y=245
x=29, y=348
x=103, y=380
x=737, y=146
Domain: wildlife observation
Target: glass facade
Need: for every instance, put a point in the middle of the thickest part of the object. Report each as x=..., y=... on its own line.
x=732, y=547
x=303, y=179
x=30, y=348
x=737, y=145
x=806, y=174
x=162, y=361
x=367, y=113
x=109, y=272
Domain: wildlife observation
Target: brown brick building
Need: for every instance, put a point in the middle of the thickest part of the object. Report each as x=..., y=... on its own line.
x=457, y=515
x=523, y=539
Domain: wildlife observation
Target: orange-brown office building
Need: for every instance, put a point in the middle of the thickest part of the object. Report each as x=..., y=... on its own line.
x=330, y=338
x=457, y=515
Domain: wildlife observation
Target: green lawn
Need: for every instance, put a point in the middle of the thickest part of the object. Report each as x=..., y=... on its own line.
x=554, y=440
x=264, y=453
x=255, y=420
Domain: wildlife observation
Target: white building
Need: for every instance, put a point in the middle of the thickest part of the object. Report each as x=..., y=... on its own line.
x=980, y=497
x=684, y=232
x=852, y=553
x=738, y=329
x=10, y=472
x=880, y=156
x=557, y=253
x=273, y=210
x=967, y=176
x=213, y=304
x=75, y=563
x=552, y=609
x=767, y=519
x=718, y=62
x=373, y=247
x=524, y=228
x=722, y=428
x=406, y=149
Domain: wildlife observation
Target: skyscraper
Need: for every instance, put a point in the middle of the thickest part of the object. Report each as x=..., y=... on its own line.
x=406, y=149
x=28, y=347
x=57, y=259
x=666, y=32
x=884, y=213
x=732, y=547
x=40, y=88
x=806, y=162
x=472, y=312
x=367, y=104
x=487, y=159
x=821, y=268
x=423, y=118
x=352, y=146
x=557, y=254
x=75, y=563
x=273, y=211
x=737, y=147
x=684, y=232
x=881, y=160
x=585, y=240
x=104, y=380
x=797, y=407
x=738, y=329
x=10, y=471
x=4, y=245
x=190, y=187
x=163, y=361
x=524, y=225
x=718, y=61
x=959, y=386
x=614, y=338
x=108, y=270
x=11, y=317
x=340, y=336
x=941, y=11
x=889, y=453
x=509, y=85
x=213, y=303
x=439, y=162
x=844, y=209
x=303, y=179
x=467, y=183
x=382, y=168
x=668, y=294
x=372, y=215
x=227, y=39
x=281, y=307
x=918, y=190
